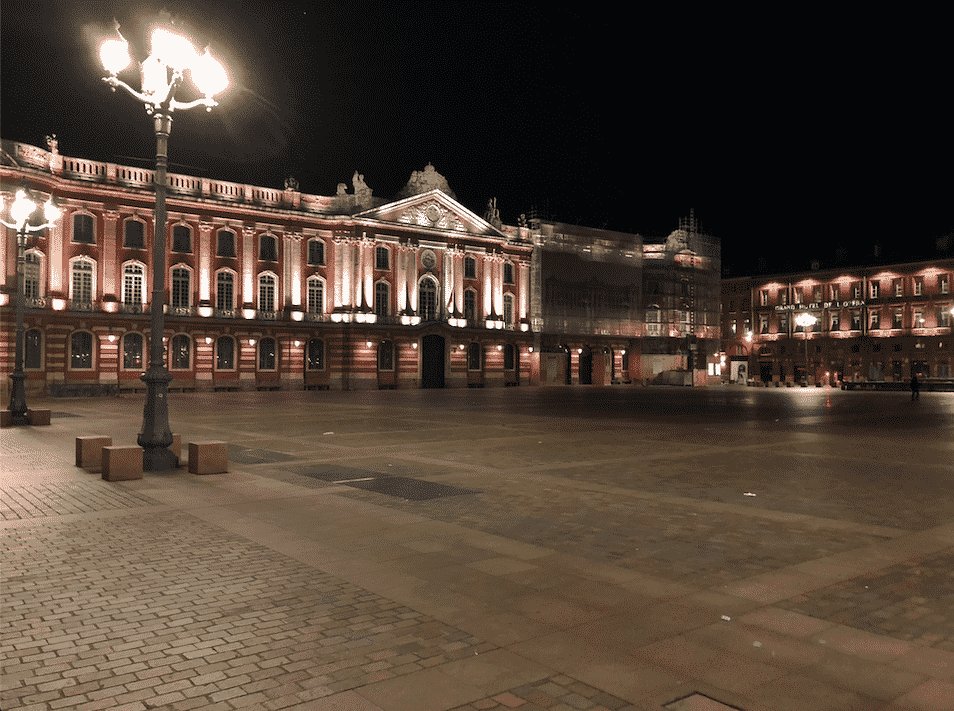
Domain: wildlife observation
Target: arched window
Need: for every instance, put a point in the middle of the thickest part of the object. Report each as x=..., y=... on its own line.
x=267, y=250
x=81, y=350
x=132, y=351
x=81, y=282
x=316, y=354
x=266, y=354
x=181, y=352
x=266, y=292
x=382, y=258
x=470, y=268
x=316, y=252
x=181, y=280
x=134, y=235
x=83, y=229
x=473, y=356
x=427, y=300
x=225, y=353
x=132, y=284
x=33, y=349
x=508, y=310
x=225, y=244
x=182, y=238
x=31, y=276
x=386, y=355
x=225, y=291
x=470, y=305
x=316, y=296
x=382, y=296
x=508, y=273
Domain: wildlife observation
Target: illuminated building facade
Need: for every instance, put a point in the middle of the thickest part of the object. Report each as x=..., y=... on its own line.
x=872, y=324
x=278, y=289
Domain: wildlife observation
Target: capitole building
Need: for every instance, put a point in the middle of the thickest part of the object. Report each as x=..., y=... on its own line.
x=279, y=289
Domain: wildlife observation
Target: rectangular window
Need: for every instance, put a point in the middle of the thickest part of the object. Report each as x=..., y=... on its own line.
x=783, y=297
x=944, y=284
x=181, y=239
x=763, y=324
x=82, y=282
x=855, y=320
x=316, y=252
x=835, y=321
x=875, y=289
x=918, y=318
x=835, y=293
x=83, y=229
x=918, y=287
x=783, y=324
x=381, y=298
x=470, y=268
x=180, y=288
x=763, y=298
x=898, y=319
x=225, y=246
x=316, y=294
x=134, y=235
x=944, y=317
x=223, y=293
x=266, y=294
x=381, y=260
x=856, y=291
x=875, y=319
x=796, y=296
x=817, y=293
x=898, y=287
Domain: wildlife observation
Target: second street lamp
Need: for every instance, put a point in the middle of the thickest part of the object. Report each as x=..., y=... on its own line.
x=22, y=209
x=162, y=73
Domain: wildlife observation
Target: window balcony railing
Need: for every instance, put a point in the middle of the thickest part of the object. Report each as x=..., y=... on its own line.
x=181, y=311
x=131, y=308
x=268, y=315
x=223, y=313
x=39, y=302
x=79, y=305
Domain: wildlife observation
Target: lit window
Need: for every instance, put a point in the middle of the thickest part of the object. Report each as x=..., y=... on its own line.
x=316, y=354
x=944, y=284
x=266, y=354
x=82, y=278
x=181, y=352
x=181, y=279
x=918, y=287
x=81, y=350
x=763, y=298
x=381, y=258
x=132, y=351
x=898, y=287
x=427, y=300
x=875, y=319
x=835, y=321
x=132, y=285
x=31, y=277
x=875, y=289
x=944, y=316
x=382, y=295
x=266, y=292
x=898, y=319
x=316, y=296
x=855, y=320
x=508, y=309
x=225, y=353
x=835, y=292
x=224, y=290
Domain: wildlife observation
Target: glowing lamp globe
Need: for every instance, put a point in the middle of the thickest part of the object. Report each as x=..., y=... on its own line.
x=172, y=50
x=114, y=54
x=209, y=75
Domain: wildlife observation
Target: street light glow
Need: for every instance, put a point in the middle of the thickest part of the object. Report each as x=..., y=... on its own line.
x=114, y=54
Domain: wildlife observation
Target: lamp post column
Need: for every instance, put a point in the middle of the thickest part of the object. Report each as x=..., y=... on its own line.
x=18, y=406
x=156, y=436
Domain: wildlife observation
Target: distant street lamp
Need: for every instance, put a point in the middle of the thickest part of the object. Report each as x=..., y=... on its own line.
x=162, y=73
x=22, y=209
x=806, y=320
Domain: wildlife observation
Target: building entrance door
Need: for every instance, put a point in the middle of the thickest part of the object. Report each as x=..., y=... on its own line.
x=586, y=367
x=432, y=361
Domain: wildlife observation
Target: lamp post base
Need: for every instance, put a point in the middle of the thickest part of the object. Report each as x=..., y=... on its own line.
x=156, y=436
x=18, y=406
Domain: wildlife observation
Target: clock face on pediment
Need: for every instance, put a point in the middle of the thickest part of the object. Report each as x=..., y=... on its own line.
x=432, y=210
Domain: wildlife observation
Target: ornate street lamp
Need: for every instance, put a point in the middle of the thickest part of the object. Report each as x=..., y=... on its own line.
x=22, y=209
x=806, y=320
x=162, y=74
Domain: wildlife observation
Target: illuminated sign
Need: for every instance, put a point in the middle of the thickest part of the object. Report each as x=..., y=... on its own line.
x=817, y=305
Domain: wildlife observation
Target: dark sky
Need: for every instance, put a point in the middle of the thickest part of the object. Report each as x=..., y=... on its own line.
x=790, y=135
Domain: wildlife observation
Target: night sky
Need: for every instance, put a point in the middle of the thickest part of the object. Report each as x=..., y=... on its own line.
x=792, y=136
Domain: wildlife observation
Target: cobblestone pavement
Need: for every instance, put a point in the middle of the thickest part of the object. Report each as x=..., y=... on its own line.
x=910, y=601
x=172, y=609
x=669, y=540
x=626, y=548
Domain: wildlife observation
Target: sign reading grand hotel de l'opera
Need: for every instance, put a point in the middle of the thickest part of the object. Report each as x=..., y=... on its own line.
x=820, y=305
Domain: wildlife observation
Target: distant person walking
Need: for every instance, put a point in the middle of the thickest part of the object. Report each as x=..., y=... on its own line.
x=915, y=388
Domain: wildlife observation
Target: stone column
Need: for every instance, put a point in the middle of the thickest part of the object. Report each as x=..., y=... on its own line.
x=204, y=264
x=246, y=278
x=108, y=255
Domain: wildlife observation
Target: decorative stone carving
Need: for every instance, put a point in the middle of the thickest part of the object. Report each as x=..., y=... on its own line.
x=492, y=214
x=677, y=241
x=291, y=183
x=423, y=181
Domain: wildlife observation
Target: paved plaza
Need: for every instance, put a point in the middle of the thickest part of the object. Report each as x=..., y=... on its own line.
x=521, y=548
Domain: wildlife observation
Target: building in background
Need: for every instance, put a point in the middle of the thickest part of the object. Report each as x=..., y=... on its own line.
x=872, y=324
x=278, y=289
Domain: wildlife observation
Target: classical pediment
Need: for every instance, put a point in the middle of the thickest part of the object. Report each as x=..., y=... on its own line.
x=433, y=210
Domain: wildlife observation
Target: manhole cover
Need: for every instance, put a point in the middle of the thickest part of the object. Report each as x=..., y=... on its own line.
x=410, y=489
x=242, y=455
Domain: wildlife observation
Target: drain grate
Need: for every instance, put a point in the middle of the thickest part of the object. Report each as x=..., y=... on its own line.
x=245, y=455
x=333, y=472
x=698, y=702
x=410, y=489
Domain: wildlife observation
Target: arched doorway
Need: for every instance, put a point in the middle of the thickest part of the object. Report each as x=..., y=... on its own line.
x=586, y=366
x=432, y=361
